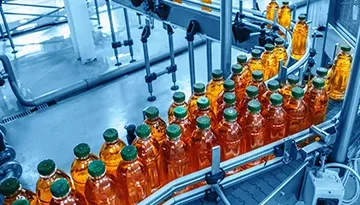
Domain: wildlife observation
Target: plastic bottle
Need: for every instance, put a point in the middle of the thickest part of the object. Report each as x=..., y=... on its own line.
x=284, y=16
x=110, y=150
x=229, y=135
x=204, y=8
x=181, y=119
x=271, y=8
x=273, y=87
x=132, y=176
x=280, y=51
x=12, y=191
x=299, y=38
x=199, y=91
x=317, y=101
x=179, y=100
x=174, y=155
x=321, y=73
x=229, y=86
x=241, y=79
x=341, y=73
x=178, y=1
x=203, y=105
x=63, y=195
x=269, y=61
x=285, y=91
x=21, y=202
x=48, y=174
x=157, y=125
x=252, y=93
x=246, y=72
x=255, y=62
x=253, y=125
x=258, y=81
x=297, y=112
x=214, y=88
x=100, y=187
x=228, y=102
x=149, y=154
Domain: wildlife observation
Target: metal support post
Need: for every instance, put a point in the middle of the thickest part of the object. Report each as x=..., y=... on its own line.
x=294, y=13
x=2, y=33
x=193, y=28
x=221, y=194
x=226, y=36
x=173, y=66
x=307, y=9
x=97, y=14
x=209, y=58
x=349, y=109
x=7, y=29
x=139, y=18
x=113, y=36
x=129, y=36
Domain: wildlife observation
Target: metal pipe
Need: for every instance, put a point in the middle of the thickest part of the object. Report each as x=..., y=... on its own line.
x=209, y=58
x=32, y=5
x=148, y=72
x=113, y=36
x=225, y=36
x=307, y=9
x=97, y=13
x=28, y=14
x=172, y=57
x=349, y=109
x=7, y=29
x=128, y=33
x=191, y=64
x=221, y=194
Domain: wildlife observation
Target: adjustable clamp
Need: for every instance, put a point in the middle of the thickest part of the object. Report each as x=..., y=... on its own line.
x=212, y=179
x=193, y=28
x=162, y=11
x=145, y=34
x=262, y=36
x=171, y=69
x=240, y=31
x=168, y=28
x=151, y=77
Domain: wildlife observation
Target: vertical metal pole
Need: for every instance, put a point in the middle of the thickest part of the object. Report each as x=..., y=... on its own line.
x=129, y=35
x=113, y=37
x=349, y=109
x=307, y=9
x=151, y=98
x=335, y=50
x=215, y=160
x=97, y=13
x=2, y=33
x=172, y=57
x=294, y=13
x=209, y=58
x=191, y=63
x=7, y=29
x=226, y=36
x=254, y=4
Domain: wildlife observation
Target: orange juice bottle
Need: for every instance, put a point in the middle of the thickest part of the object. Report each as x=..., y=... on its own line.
x=174, y=155
x=258, y=81
x=341, y=73
x=229, y=86
x=271, y=8
x=299, y=38
x=253, y=125
x=63, y=195
x=285, y=91
x=202, y=142
x=321, y=73
x=199, y=91
x=252, y=93
x=246, y=72
x=178, y=1
x=229, y=136
x=255, y=62
x=284, y=15
x=181, y=119
x=79, y=168
x=12, y=190
x=241, y=80
x=203, y=109
x=317, y=101
x=214, y=88
x=228, y=102
x=149, y=155
x=48, y=174
x=157, y=125
x=100, y=187
x=280, y=51
x=110, y=150
x=275, y=119
x=132, y=176
x=297, y=112
x=179, y=100
x=273, y=87
x=204, y=7
x=269, y=61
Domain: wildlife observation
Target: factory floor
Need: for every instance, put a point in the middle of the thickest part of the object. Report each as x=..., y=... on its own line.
x=45, y=61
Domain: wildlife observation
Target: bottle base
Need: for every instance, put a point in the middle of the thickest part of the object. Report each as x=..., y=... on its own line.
x=336, y=96
x=296, y=56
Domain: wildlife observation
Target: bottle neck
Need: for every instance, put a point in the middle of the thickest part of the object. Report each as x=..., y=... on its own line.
x=113, y=142
x=217, y=79
x=17, y=192
x=98, y=177
x=83, y=158
x=174, y=139
x=204, y=109
x=153, y=119
x=62, y=198
x=50, y=175
x=199, y=94
x=179, y=104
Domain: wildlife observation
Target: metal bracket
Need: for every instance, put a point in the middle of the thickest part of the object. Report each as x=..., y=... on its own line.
x=136, y=3
x=215, y=178
x=193, y=28
x=150, y=78
x=240, y=32
x=162, y=11
x=171, y=69
x=145, y=34
x=290, y=151
x=325, y=137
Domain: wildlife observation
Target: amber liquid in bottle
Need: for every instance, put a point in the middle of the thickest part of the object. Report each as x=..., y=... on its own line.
x=255, y=64
x=300, y=34
x=223, y=106
x=186, y=126
x=179, y=100
x=21, y=194
x=340, y=75
x=242, y=106
x=207, y=112
x=110, y=155
x=317, y=101
x=178, y=1
x=270, y=64
x=158, y=127
x=275, y=121
x=297, y=112
x=265, y=101
x=271, y=8
x=74, y=198
x=280, y=53
x=199, y=91
x=204, y=7
x=260, y=85
x=213, y=90
x=102, y=190
x=284, y=16
x=241, y=80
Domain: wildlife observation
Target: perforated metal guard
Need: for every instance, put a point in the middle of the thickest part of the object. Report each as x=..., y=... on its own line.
x=347, y=14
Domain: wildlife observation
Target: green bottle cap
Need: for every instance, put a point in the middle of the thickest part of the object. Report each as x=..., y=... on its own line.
x=279, y=41
x=257, y=75
x=252, y=91
x=285, y=2
x=318, y=82
x=345, y=48
x=322, y=72
x=46, y=167
x=230, y=114
x=143, y=131
x=9, y=186
x=273, y=85
x=269, y=47
x=297, y=92
x=241, y=59
x=203, y=122
x=254, y=106
x=96, y=168
x=229, y=98
x=276, y=99
x=217, y=74
x=180, y=112
x=21, y=202
x=152, y=112
x=81, y=150
x=229, y=85
x=199, y=88
x=129, y=153
x=256, y=53
x=236, y=69
x=302, y=17
x=110, y=135
x=60, y=188
x=173, y=131
x=179, y=97
x=203, y=102
x=293, y=79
